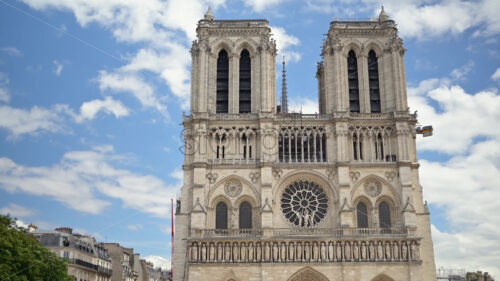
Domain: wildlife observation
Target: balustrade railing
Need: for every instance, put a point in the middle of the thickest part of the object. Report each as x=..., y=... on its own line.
x=305, y=232
x=233, y=161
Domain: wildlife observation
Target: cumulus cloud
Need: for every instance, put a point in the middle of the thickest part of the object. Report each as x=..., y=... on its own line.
x=459, y=118
x=496, y=75
x=304, y=105
x=90, y=109
x=32, y=121
x=425, y=19
x=84, y=180
x=134, y=227
x=159, y=261
x=17, y=210
x=261, y=5
x=158, y=26
x=285, y=42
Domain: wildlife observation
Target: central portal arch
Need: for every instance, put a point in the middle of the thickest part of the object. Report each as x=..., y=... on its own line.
x=308, y=274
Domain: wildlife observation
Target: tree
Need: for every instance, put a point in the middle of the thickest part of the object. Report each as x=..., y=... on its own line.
x=23, y=258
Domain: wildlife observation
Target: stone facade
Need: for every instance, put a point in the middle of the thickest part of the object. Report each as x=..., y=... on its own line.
x=284, y=196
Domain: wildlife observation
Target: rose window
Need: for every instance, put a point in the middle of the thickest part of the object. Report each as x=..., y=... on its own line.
x=304, y=203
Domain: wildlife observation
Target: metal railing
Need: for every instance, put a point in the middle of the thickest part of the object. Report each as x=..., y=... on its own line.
x=305, y=232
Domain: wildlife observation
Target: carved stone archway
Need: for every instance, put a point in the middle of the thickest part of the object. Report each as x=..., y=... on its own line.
x=308, y=274
x=382, y=277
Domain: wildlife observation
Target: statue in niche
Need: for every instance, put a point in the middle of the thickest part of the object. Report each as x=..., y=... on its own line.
x=283, y=251
x=258, y=252
x=235, y=252
x=291, y=251
x=404, y=251
x=195, y=252
x=331, y=249
x=212, y=252
x=299, y=251
x=395, y=249
x=227, y=252
x=347, y=249
x=275, y=251
x=380, y=251
x=355, y=251
x=251, y=257
x=414, y=251
x=315, y=251
x=220, y=252
x=307, y=251
x=243, y=252
x=267, y=252
x=388, y=250
x=339, y=251
x=363, y=251
x=371, y=249
x=323, y=251
x=203, y=252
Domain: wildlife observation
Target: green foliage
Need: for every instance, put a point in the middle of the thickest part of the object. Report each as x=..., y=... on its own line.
x=23, y=258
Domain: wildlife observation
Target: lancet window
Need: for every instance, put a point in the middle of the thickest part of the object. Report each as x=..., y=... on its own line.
x=352, y=76
x=222, y=105
x=362, y=215
x=384, y=213
x=245, y=212
x=373, y=82
x=221, y=216
x=245, y=83
x=302, y=144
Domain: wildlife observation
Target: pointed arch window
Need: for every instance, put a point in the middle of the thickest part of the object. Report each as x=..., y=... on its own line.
x=222, y=105
x=379, y=147
x=384, y=213
x=362, y=215
x=352, y=76
x=221, y=216
x=373, y=82
x=245, y=215
x=245, y=82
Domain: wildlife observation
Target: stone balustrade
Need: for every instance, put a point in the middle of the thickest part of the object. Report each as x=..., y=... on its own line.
x=305, y=232
x=287, y=251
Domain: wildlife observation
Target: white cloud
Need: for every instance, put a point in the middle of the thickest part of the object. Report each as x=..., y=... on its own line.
x=460, y=117
x=261, y=5
x=17, y=210
x=58, y=67
x=424, y=19
x=4, y=82
x=158, y=261
x=496, y=75
x=134, y=227
x=90, y=109
x=81, y=178
x=133, y=84
x=304, y=105
x=284, y=41
x=11, y=51
x=33, y=121
x=157, y=25
x=461, y=72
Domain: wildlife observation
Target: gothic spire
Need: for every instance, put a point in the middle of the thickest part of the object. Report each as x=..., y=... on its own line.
x=284, y=98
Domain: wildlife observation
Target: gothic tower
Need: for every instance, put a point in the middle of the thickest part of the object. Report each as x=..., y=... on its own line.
x=283, y=196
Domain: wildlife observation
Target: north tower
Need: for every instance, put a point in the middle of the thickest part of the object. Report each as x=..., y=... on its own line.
x=287, y=196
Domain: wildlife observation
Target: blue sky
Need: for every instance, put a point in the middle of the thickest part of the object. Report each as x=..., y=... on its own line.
x=92, y=94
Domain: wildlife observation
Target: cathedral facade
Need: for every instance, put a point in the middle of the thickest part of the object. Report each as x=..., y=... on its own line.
x=273, y=195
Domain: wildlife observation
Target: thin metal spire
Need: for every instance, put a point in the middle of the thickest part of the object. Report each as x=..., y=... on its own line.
x=284, y=98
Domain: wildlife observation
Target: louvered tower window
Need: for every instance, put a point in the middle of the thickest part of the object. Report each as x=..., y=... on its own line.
x=221, y=216
x=222, y=82
x=384, y=213
x=352, y=75
x=361, y=211
x=245, y=215
x=373, y=82
x=245, y=83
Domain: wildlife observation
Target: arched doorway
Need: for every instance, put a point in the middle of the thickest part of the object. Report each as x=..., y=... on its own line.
x=308, y=274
